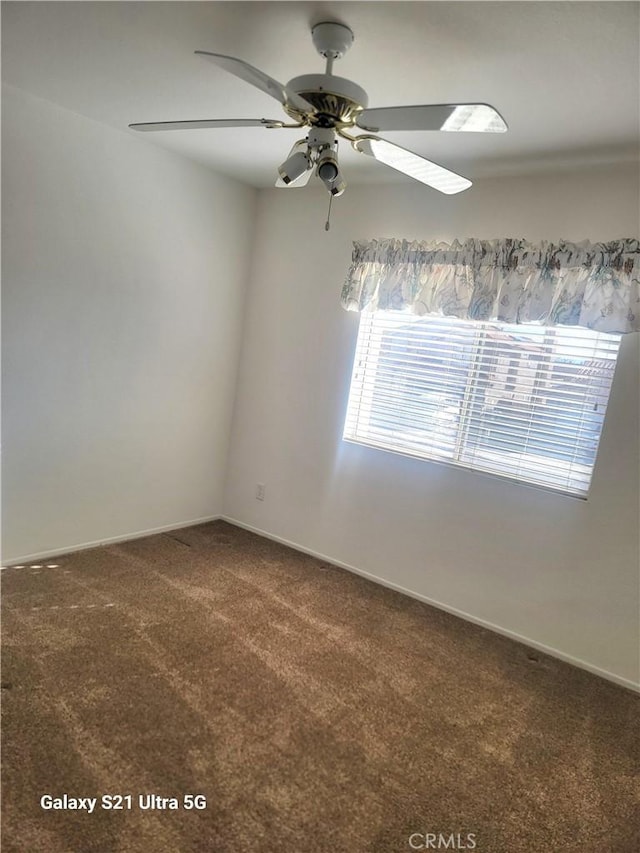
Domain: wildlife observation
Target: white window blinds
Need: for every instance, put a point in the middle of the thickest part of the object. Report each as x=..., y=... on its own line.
x=524, y=402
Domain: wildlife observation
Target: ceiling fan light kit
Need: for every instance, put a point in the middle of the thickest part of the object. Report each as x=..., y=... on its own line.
x=332, y=107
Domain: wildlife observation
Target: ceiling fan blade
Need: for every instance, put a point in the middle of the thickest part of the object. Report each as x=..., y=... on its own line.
x=259, y=79
x=448, y=117
x=206, y=123
x=411, y=164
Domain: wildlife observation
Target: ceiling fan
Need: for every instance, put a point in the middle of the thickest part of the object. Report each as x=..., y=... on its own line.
x=332, y=107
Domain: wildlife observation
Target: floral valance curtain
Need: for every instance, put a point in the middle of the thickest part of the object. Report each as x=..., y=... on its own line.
x=594, y=285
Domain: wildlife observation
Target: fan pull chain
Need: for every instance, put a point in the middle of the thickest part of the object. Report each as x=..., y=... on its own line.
x=326, y=224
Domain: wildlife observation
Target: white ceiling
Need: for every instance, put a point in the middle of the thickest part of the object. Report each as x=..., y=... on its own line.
x=565, y=75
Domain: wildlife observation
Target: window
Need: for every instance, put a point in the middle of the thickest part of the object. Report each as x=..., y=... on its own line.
x=523, y=402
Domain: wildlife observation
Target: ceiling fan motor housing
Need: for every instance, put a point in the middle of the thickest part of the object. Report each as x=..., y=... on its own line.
x=337, y=100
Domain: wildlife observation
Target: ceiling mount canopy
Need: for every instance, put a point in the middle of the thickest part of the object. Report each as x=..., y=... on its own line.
x=331, y=39
x=332, y=107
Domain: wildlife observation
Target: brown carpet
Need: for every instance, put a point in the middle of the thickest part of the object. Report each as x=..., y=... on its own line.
x=317, y=713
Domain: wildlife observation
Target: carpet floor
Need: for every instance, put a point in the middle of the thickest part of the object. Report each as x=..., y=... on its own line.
x=313, y=711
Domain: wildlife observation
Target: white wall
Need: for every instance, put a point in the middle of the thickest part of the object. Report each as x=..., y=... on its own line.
x=560, y=572
x=124, y=271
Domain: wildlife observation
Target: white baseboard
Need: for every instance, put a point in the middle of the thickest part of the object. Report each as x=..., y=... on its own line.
x=549, y=650
x=112, y=540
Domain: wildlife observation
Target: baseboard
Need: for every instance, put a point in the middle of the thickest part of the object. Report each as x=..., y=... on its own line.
x=112, y=540
x=549, y=650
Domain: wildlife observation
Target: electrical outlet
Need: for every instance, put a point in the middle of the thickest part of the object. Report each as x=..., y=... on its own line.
x=260, y=491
